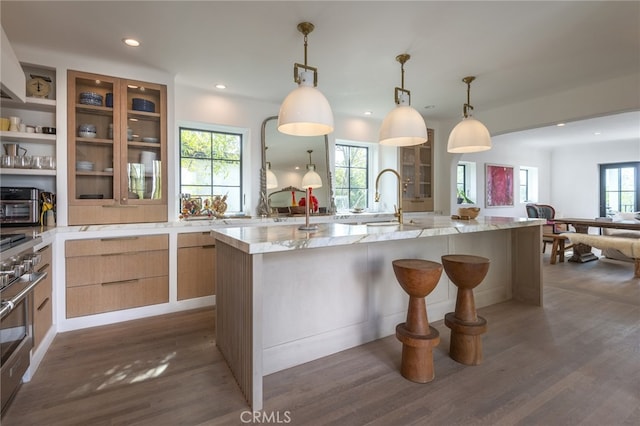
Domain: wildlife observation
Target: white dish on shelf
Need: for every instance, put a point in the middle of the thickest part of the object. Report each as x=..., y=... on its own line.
x=149, y=139
x=85, y=166
x=87, y=134
x=108, y=169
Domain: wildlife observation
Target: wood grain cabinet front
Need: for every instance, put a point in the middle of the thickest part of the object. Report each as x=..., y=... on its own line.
x=416, y=169
x=111, y=274
x=42, y=299
x=196, y=265
x=117, y=150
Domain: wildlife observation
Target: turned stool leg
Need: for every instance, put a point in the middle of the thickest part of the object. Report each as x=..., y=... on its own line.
x=418, y=278
x=465, y=272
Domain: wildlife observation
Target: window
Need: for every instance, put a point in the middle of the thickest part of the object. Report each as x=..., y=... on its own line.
x=619, y=188
x=466, y=182
x=352, y=177
x=211, y=164
x=528, y=184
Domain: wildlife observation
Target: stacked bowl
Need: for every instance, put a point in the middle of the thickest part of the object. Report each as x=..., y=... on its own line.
x=91, y=98
x=139, y=104
x=87, y=130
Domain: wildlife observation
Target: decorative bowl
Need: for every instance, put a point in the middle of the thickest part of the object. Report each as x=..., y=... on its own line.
x=470, y=212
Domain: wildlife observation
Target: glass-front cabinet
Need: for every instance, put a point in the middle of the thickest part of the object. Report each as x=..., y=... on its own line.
x=117, y=150
x=416, y=165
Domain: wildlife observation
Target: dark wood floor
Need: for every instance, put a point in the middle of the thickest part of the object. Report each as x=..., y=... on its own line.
x=574, y=362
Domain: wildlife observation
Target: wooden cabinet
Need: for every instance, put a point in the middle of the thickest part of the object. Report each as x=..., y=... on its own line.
x=110, y=274
x=196, y=265
x=42, y=298
x=117, y=150
x=416, y=169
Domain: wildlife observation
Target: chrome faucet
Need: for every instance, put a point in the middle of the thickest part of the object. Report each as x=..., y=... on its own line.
x=398, y=213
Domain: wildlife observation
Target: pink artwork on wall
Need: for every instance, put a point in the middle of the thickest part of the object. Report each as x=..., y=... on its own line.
x=499, y=180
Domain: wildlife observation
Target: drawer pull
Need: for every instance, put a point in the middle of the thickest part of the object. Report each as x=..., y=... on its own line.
x=119, y=206
x=43, y=267
x=44, y=302
x=135, y=280
x=118, y=238
x=209, y=246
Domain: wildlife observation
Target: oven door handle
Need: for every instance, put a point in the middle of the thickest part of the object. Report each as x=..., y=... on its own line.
x=8, y=305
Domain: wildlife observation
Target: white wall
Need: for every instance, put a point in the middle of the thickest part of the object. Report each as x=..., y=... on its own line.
x=197, y=105
x=576, y=177
x=504, y=153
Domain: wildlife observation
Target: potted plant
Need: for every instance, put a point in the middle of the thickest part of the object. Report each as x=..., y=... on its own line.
x=462, y=197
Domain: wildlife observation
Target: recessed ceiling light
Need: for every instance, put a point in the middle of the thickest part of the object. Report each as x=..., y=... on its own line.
x=597, y=133
x=368, y=113
x=560, y=124
x=220, y=86
x=131, y=42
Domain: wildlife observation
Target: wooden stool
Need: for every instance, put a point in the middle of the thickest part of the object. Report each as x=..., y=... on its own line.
x=418, y=278
x=466, y=272
x=557, y=246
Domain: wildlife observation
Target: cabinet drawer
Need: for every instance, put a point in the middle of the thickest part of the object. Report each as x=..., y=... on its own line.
x=196, y=272
x=43, y=298
x=107, y=297
x=42, y=316
x=115, y=245
x=417, y=205
x=196, y=239
x=110, y=268
x=43, y=289
x=45, y=253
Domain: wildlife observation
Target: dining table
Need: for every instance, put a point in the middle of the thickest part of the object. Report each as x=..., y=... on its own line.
x=582, y=252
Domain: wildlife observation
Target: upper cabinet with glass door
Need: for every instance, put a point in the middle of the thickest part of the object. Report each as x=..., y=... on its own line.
x=416, y=165
x=117, y=150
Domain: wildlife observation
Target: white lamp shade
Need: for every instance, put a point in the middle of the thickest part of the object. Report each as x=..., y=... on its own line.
x=272, y=180
x=305, y=111
x=311, y=179
x=469, y=135
x=403, y=126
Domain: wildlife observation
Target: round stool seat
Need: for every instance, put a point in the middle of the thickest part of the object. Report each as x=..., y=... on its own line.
x=466, y=271
x=417, y=277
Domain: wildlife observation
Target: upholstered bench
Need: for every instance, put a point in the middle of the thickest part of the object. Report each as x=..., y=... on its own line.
x=628, y=246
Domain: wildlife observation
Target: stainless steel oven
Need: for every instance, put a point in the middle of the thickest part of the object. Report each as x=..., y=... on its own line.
x=19, y=206
x=17, y=281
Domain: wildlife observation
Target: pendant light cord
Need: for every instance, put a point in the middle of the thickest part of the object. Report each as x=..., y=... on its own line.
x=467, y=106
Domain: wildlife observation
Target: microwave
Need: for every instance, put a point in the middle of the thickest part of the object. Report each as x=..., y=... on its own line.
x=19, y=206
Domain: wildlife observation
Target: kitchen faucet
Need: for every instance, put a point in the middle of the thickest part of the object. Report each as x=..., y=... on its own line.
x=398, y=213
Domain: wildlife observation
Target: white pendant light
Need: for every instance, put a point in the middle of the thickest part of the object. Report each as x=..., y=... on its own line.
x=311, y=179
x=305, y=111
x=469, y=135
x=272, y=180
x=403, y=126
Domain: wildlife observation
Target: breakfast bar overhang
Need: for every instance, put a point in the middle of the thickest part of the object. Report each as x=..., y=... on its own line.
x=287, y=296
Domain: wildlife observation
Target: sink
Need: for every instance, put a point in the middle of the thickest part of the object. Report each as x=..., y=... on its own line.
x=394, y=223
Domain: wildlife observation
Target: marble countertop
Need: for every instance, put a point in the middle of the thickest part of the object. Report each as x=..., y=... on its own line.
x=269, y=239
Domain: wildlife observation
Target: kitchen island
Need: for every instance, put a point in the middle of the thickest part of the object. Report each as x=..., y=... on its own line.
x=287, y=296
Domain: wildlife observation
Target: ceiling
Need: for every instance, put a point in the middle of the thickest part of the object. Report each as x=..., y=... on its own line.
x=518, y=50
